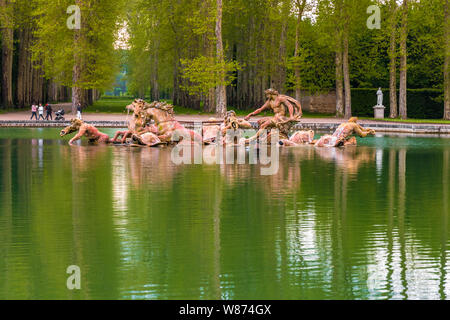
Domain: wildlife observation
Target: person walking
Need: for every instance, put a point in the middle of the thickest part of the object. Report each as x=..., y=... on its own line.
x=33, y=112
x=49, y=110
x=41, y=112
x=79, y=111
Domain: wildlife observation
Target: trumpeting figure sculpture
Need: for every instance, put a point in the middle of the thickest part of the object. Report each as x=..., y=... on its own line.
x=231, y=122
x=344, y=135
x=84, y=130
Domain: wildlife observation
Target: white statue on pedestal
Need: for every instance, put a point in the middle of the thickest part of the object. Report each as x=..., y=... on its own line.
x=379, y=108
x=380, y=97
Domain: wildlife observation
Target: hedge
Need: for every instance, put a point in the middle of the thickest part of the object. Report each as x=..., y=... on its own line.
x=421, y=103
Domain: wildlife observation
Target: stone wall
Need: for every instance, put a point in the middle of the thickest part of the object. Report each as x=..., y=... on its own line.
x=328, y=126
x=319, y=103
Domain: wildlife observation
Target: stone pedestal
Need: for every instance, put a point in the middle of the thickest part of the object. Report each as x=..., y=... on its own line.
x=379, y=112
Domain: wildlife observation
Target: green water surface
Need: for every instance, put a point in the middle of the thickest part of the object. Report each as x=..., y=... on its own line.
x=370, y=222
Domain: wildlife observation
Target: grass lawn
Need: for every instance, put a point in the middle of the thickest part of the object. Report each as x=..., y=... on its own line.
x=118, y=104
x=110, y=105
x=433, y=121
x=2, y=111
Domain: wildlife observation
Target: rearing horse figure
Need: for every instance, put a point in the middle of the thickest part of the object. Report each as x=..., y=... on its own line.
x=163, y=115
x=136, y=126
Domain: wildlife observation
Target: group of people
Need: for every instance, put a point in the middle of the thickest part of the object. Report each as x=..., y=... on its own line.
x=39, y=109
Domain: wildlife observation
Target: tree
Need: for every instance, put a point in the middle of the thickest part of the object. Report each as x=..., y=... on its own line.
x=300, y=4
x=25, y=70
x=447, y=60
x=345, y=62
x=403, y=61
x=175, y=49
x=85, y=58
x=140, y=25
x=221, y=94
x=340, y=104
x=77, y=63
x=282, y=16
x=7, y=33
x=393, y=60
x=338, y=16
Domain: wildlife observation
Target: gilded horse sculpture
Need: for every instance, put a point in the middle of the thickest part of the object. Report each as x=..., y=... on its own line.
x=167, y=128
x=123, y=136
x=136, y=125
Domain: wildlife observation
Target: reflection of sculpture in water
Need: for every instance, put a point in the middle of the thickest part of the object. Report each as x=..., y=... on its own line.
x=287, y=180
x=343, y=136
x=348, y=159
x=84, y=130
x=81, y=159
x=288, y=112
x=148, y=167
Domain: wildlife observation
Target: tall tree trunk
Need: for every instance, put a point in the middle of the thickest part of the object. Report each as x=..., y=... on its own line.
x=36, y=84
x=7, y=55
x=209, y=50
x=176, y=97
x=403, y=62
x=447, y=62
x=209, y=101
x=154, y=84
x=77, y=94
x=281, y=61
x=29, y=75
x=346, y=70
x=393, y=61
x=339, y=85
x=22, y=68
x=301, y=7
x=221, y=95
x=297, y=67
x=76, y=90
x=339, y=64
